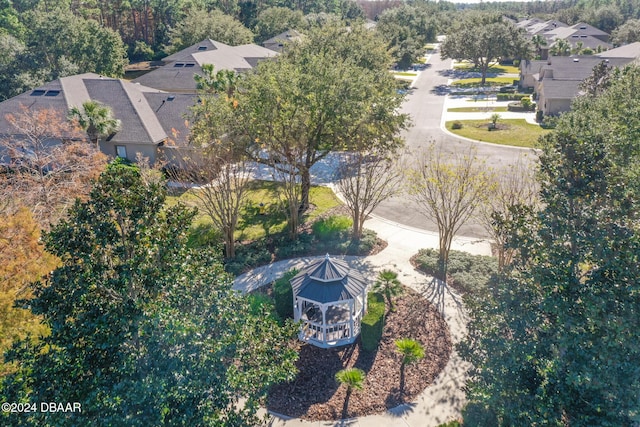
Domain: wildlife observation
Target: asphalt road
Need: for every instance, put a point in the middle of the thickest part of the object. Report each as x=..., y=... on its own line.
x=424, y=104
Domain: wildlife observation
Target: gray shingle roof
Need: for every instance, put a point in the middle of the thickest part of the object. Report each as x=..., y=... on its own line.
x=630, y=51
x=172, y=111
x=328, y=280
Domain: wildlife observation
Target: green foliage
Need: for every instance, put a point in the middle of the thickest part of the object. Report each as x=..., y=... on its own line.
x=283, y=295
x=469, y=273
x=276, y=20
x=526, y=102
x=410, y=350
x=353, y=378
x=331, y=227
x=198, y=25
x=373, y=322
x=554, y=339
x=132, y=312
x=456, y=125
x=515, y=132
x=387, y=284
x=510, y=96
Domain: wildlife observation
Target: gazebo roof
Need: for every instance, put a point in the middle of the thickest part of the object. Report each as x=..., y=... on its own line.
x=328, y=280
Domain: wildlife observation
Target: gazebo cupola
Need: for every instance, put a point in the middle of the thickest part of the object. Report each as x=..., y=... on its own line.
x=329, y=300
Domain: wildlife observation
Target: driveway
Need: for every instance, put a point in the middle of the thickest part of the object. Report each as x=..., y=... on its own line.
x=424, y=104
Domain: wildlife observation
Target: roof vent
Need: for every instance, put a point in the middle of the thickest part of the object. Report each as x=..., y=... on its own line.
x=576, y=59
x=202, y=48
x=171, y=98
x=178, y=64
x=583, y=27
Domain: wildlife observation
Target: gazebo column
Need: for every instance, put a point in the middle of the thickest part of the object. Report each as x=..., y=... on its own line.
x=323, y=307
x=352, y=312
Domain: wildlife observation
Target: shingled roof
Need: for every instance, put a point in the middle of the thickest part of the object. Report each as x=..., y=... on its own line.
x=328, y=280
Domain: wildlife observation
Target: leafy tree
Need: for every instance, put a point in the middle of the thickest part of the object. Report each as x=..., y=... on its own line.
x=199, y=25
x=560, y=47
x=49, y=167
x=411, y=351
x=95, y=119
x=407, y=29
x=332, y=90
x=143, y=331
x=553, y=342
x=353, y=378
x=387, y=284
x=217, y=82
x=483, y=38
x=22, y=261
x=276, y=20
x=538, y=42
x=626, y=33
x=447, y=192
x=606, y=18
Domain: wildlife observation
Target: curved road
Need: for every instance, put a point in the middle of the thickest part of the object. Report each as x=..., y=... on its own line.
x=425, y=106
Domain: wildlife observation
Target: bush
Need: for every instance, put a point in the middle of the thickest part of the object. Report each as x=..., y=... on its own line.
x=373, y=322
x=510, y=96
x=248, y=257
x=456, y=125
x=331, y=227
x=526, y=102
x=204, y=235
x=283, y=295
x=259, y=303
x=539, y=116
x=466, y=272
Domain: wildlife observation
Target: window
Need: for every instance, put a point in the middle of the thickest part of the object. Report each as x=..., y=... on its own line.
x=121, y=151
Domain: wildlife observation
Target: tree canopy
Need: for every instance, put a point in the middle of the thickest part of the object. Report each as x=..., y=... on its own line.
x=554, y=340
x=143, y=331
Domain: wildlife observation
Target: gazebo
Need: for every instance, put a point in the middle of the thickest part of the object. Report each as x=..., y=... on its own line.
x=329, y=299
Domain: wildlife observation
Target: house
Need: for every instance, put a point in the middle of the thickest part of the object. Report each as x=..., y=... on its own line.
x=276, y=43
x=152, y=109
x=580, y=35
x=556, y=81
x=176, y=75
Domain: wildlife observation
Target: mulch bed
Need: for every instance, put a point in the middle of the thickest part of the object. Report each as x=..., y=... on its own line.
x=315, y=395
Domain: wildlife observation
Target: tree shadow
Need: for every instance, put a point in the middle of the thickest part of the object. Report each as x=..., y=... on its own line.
x=437, y=292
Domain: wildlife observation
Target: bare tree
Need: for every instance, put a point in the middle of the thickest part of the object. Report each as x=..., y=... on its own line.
x=46, y=163
x=448, y=192
x=512, y=189
x=366, y=179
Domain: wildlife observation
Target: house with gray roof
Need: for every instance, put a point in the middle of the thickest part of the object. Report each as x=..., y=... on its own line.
x=276, y=43
x=556, y=81
x=152, y=109
x=176, y=75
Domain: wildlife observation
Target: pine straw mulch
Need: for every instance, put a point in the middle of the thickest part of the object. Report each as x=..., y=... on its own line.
x=315, y=395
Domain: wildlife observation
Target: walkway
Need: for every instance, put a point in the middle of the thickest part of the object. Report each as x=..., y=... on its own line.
x=444, y=399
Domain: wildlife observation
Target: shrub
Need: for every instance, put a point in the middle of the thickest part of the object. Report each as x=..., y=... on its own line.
x=259, y=303
x=526, y=102
x=516, y=62
x=248, y=257
x=283, y=295
x=331, y=227
x=510, y=96
x=373, y=322
x=467, y=273
x=539, y=116
x=456, y=125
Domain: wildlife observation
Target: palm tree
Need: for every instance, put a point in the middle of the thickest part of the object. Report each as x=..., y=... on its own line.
x=353, y=378
x=538, y=41
x=223, y=81
x=411, y=351
x=95, y=119
x=561, y=48
x=388, y=285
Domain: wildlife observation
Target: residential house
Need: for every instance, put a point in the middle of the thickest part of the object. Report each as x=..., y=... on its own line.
x=580, y=35
x=153, y=109
x=556, y=81
x=276, y=43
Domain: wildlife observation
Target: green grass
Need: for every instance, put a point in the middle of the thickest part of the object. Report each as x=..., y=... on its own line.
x=495, y=69
x=477, y=109
x=490, y=81
x=403, y=73
x=430, y=46
x=517, y=132
x=252, y=225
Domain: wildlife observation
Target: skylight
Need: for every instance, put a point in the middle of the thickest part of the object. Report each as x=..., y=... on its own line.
x=189, y=65
x=178, y=64
x=171, y=98
x=38, y=92
x=202, y=48
x=52, y=93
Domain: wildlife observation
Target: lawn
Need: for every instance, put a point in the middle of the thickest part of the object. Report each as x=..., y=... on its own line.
x=515, y=132
x=490, y=81
x=496, y=69
x=252, y=225
x=404, y=73
x=477, y=109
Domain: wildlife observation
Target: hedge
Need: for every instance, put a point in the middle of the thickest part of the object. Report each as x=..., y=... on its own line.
x=373, y=322
x=510, y=96
x=283, y=295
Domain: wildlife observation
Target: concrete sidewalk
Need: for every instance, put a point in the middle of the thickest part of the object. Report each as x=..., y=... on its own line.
x=443, y=400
